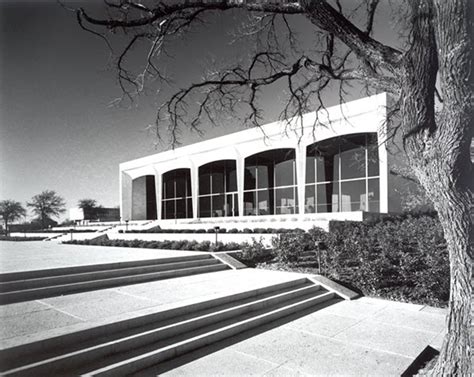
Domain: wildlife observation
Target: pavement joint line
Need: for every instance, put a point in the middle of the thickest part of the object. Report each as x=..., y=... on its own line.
x=134, y=296
x=283, y=365
x=62, y=311
x=356, y=344
x=276, y=365
x=406, y=327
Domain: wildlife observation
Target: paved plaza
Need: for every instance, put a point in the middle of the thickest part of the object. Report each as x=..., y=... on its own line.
x=366, y=336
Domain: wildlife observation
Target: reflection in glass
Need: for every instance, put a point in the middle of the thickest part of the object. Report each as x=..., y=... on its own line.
x=264, y=173
x=353, y=196
x=249, y=203
x=310, y=199
x=344, y=165
x=176, y=192
x=327, y=196
x=217, y=179
x=373, y=195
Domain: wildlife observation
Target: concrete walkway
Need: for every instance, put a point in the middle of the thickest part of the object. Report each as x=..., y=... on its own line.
x=366, y=336
x=40, y=319
x=39, y=255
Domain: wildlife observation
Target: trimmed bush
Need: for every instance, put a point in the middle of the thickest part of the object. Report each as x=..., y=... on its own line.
x=401, y=258
x=253, y=253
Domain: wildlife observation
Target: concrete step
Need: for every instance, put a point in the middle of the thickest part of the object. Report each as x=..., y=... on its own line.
x=55, y=290
x=22, y=275
x=146, y=357
x=98, y=275
x=126, y=347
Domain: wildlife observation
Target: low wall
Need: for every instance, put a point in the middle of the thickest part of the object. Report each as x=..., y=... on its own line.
x=29, y=235
x=199, y=237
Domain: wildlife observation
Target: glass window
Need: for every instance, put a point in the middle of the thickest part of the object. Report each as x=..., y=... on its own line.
x=218, y=209
x=205, y=206
x=327, y=168
x=310, y=199
x=217, y=182
x=373, y=193
x=168, y=189
x=352, y=156
x=285, y=201
x=264, y=177
x=310, y=170
x=284, y=173
x=181, y=208
x=250, y=203
x=180, y=188
x=231, y=179
x=353, y=196
x=372, y=155
x=204, y=183
x=170, y=212
x=189, y=208
x=264, y=202
x=250, y=178
x=327, y=196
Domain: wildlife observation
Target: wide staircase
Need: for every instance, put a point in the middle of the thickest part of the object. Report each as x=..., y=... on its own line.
x=135, y=344
x=32, y=285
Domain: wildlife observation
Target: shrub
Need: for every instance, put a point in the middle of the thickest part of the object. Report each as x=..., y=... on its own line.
x=399, y=258
x=210, y=230
x=289, y=246
x=233, y=230
x=200, y=230
x=247, y=230
x=253, y=253
x=232, y=246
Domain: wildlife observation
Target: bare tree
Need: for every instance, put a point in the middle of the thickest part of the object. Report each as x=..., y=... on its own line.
x=46, y=205
x=10, y=211
x=436, y=125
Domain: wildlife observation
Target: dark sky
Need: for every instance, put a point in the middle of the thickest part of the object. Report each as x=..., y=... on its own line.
x=57, y=130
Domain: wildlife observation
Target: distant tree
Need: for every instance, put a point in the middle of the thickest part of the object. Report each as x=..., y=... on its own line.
x=89, y=206
x=46, y=205
x=10, y=211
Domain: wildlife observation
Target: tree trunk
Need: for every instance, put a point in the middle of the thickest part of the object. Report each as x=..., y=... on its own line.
x=453, y=210
x=437, y=147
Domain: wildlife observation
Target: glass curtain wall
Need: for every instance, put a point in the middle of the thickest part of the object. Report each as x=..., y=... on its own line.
x=270, y=183
x=176, y=200
x=342, y=174
x=218, y=189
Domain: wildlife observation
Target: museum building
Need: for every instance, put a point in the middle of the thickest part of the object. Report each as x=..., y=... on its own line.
x=328, y=165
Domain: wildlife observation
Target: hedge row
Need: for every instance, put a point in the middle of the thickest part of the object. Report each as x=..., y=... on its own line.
x=212, y=230
x=170, y=245
x=402, y=259
x=9, y=238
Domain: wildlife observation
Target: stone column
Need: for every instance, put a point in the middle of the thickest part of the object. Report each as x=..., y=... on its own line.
x=158, y=192
x=194, y=189
x=125, y=196
x=240, y=166
x=301, y=176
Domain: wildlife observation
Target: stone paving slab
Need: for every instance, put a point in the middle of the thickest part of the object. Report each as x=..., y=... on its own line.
x=28, y=321
x=359, y=340
x=39, y=255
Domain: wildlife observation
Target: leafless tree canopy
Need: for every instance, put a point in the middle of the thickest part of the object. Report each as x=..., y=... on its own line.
x=436, y=128
x=277, y=57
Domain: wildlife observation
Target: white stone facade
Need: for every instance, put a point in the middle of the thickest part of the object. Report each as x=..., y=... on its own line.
x=361, y=117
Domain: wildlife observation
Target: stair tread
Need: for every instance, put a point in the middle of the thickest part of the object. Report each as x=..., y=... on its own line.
x=128, y=270
x=245, y=306
x=162, y=345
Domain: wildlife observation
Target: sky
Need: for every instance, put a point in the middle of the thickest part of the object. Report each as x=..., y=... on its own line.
x=57, y=128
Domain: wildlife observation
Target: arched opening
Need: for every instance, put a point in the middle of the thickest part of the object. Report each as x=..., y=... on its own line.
x=342, y=174
x=144, y=198
x=176, y=202
x=270, y=183
x=218, y=189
